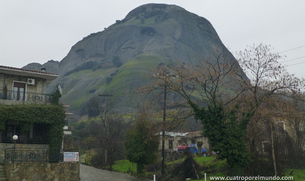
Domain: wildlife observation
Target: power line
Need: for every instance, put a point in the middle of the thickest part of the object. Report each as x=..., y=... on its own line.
x=292, y=49
x=292, y=59
x=295, y=64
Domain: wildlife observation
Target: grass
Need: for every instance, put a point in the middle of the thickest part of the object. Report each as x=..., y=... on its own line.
x=212, y=167
x=176, y=161
x=201, y=160
x=216, y=167
x=295, y=178
x=124, y=166
x=131, y=76
x=298, y=174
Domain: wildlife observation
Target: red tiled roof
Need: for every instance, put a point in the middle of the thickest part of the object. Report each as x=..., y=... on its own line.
x=27, y=70
x=194, y=134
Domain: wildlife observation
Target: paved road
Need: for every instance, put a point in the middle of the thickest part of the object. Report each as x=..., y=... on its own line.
x=88, y=173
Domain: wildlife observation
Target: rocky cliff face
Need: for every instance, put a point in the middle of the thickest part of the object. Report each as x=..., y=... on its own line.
x=117, y=59
x=51, y=66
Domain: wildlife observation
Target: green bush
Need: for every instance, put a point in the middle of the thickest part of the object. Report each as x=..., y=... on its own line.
x=51, y=115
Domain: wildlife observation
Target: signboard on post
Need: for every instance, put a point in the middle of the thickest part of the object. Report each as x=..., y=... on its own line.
x=71, y=156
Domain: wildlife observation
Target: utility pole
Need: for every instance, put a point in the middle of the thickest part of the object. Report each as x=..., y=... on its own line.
x=105, y=106
x=165, y=77
x=105, y=123
x=163, y=129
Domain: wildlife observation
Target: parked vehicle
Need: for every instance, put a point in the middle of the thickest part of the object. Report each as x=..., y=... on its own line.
x=183, y=148
x=194, y=149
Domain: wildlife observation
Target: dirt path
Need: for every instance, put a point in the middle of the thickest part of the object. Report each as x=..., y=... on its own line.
x=88, y=173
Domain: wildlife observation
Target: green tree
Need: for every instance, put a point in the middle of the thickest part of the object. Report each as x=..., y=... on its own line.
x=141, y=143
x=226, y=131
x=54, y=98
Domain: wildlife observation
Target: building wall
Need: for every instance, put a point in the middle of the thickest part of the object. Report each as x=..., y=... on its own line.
x=177, y=140
x=1, y=81
x=8, y=81
x=282, y=128
x=204, y=140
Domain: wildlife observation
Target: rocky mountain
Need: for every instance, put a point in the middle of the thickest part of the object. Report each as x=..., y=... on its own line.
x=117, y=59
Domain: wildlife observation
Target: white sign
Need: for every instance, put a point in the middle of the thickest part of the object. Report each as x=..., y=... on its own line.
x=71, y=156
x=67, y=132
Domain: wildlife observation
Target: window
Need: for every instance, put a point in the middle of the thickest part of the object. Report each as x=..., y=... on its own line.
x=39, y=133
x=19, y=91
x=265, y=147
x=170, y=144
x=12, y=128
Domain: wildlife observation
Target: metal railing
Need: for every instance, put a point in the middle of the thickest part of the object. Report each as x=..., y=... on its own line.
x=27, y=96
x=12, y=155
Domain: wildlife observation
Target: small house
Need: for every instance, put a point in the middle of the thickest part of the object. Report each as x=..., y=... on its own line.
x=173, y=139
x=31, y=127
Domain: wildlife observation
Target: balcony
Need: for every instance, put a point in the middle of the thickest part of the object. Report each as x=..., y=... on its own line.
x=13, y=97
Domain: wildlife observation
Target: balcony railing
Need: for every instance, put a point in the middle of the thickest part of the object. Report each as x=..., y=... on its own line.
x=53, y=155
x=27, y=96
x=32, y=155
x=25, y=155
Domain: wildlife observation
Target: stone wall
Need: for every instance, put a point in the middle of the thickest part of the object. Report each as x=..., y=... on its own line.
x=40, y=171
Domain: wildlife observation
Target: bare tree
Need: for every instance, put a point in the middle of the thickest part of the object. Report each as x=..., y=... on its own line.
x=104, y=133
x=219, y=83
x=110, y=141
x=267, y=76
x=269, y=86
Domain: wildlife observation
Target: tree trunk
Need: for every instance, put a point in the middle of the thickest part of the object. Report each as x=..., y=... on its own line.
x=199, y=145
x=140, y=168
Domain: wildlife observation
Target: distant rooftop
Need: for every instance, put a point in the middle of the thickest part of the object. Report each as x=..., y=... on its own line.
x=186, y=134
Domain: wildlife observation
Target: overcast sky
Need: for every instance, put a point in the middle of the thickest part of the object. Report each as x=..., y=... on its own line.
x=41, y=30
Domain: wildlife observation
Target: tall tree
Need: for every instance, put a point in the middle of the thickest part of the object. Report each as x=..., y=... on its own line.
x=269, y=81
x=141, y=143
x=111, y=139
x=54, y=98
